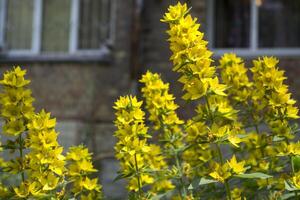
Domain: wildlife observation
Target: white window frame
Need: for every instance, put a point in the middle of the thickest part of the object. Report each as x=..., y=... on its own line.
x=253, y=50
x=73, y=51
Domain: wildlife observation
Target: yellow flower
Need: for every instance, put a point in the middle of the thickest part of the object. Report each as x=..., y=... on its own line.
x=90, y=184
x=234, y=140
x=21, y=191
x=50, y=182
x=221, y=172
x=175, y=12
x=237, y=167
x=296, y=180
x=78, y=153
x=236, y=194
x=14, y=127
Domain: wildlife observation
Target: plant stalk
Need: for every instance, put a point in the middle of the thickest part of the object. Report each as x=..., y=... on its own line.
x=293, y=172
x=227, y=187
x=21, y=156
x=138, y=176
x=183, y=192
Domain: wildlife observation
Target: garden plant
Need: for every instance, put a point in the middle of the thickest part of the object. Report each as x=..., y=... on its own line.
x=241, y=142
x=34, y=166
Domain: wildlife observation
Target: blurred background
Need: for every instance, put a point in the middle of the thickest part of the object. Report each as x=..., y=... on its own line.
x=82, y=54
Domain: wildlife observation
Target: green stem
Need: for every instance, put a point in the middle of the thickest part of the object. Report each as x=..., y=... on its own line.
x=293, y=172
x=256, y=128
x=292, y=165
x=21, y=155
x=183, y=192
x=227, y=187
x=138, y=177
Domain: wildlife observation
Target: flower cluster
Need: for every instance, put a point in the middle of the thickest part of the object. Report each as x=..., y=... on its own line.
x=137, y=157
x=40, y=164
x=79, y=167
x=16, y=102
x=44, y=162
x=161, y=107
x=234, y=75
x=241, y=141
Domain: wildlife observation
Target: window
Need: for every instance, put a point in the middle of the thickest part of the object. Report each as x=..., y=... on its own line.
x=55, y=27
x=254, y=27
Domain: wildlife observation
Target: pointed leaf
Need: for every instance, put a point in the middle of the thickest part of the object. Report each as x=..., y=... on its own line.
x=122, y=176
x=204, y=181
x=289, y=187
x=254, y=175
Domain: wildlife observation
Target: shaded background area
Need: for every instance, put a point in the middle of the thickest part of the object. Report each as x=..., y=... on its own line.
x=81, y=55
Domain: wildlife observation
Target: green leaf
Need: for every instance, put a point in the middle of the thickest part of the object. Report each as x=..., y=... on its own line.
x=204, y=181
x=296, y=163
x=163, y=195
x=190, y=187
x=277, y=139
x=122, y=176
x=289, y=187
x=287, y=196
x=254, y=175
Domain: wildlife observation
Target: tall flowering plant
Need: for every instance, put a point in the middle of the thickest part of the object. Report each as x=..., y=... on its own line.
x=240, y=144
x=38, y=169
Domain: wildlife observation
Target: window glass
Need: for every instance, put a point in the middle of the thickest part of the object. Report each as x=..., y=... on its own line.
x=56, y=25
x=18, y=25
x=279, y=23
x=93, y=25
x=232, y=23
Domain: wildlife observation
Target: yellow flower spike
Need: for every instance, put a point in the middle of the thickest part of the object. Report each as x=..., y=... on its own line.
x=41, y=163
x=161, y=106
x=237, y=167
x=234, y=75
x=15, y=78
x=16, y=102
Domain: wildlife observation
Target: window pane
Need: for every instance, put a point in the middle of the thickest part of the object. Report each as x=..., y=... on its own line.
x=94, y=23
x=279, y=23
x=18, y=30
x=232, y=23
x=56, y=25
